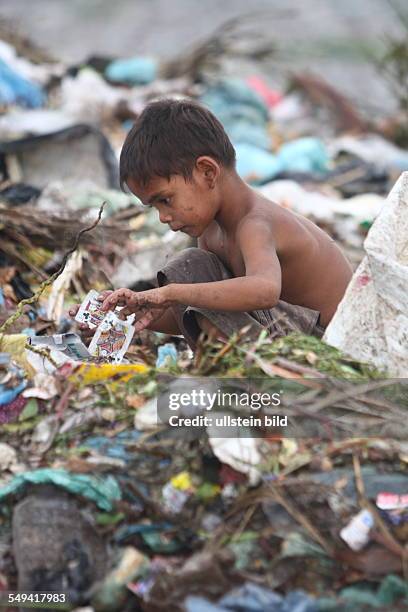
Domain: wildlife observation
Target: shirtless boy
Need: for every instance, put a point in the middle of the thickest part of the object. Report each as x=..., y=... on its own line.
x=255, y=263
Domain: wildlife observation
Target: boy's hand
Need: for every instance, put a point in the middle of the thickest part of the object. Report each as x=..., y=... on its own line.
x=86, y=331
x=148, y=306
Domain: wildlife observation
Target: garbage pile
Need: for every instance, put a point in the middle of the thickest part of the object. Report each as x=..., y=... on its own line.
x=101, y=498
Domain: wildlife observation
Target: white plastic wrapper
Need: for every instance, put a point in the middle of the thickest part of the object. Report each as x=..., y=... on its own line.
x=357, y=532
x=371, y=322
x=242, y=454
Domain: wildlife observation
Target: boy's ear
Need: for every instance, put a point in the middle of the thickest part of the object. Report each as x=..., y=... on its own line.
x=208, y=169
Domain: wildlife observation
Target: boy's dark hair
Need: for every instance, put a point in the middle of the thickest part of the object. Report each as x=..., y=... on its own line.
x=167, y=139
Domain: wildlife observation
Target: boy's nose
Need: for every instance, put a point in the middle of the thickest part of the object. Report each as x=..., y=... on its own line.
x=164, y=218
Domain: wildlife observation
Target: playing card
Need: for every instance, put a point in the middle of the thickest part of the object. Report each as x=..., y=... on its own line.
x=112, y=338
x=90, y=310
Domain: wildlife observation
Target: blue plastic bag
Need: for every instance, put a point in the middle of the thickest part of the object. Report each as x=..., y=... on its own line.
x=241, y=111
x=133, y=71
x=15, y=89
x=251, y=597
x=256, y=165
x=104, y=491
x=304, y=155
x=166, y=355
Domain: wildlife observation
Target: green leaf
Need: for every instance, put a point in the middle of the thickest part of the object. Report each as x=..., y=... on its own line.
x=109, y=519
x=30, y=410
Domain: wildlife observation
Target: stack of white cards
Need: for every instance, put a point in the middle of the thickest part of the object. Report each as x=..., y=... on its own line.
x=112, y=336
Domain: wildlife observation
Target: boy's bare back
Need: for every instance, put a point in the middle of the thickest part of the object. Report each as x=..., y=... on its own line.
x=314, y=272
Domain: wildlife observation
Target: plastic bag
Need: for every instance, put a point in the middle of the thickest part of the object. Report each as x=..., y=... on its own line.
x=15, y=89
x=371, y=321
x=103, y=491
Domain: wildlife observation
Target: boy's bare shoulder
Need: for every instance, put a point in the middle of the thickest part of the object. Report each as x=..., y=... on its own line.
x=284, y=221
x=263, y=210
x=267, y=217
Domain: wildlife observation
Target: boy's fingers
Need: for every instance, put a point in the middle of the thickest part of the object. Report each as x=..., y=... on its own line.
x=103, y=295
x=115, y=298
x=120, y=297
x=147, y=318
x=108, y=303
x=73, y=310
x=143, y=322
x=87, y=332
x=85, y=327
x=125, y=312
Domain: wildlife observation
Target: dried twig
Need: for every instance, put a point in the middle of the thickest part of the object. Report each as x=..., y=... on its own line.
x=20, y=307
x=273, y=370
x=43, y=352
x=228, y=346
x=248, y=515
x=64, y=399
x=301, y=519
x=352, y=390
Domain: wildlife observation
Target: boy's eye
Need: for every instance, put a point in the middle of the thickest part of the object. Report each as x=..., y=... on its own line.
x=164, y=200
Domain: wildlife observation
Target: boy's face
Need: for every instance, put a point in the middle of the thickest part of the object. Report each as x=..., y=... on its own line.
x=186, y=206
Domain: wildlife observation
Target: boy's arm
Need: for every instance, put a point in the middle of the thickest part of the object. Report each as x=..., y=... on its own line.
x=166, y=324
x=202, y=243
x=259, y=289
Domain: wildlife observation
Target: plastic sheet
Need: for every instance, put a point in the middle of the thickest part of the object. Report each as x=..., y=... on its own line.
x=87, y=374
x=15, y=89
x=104, y=492
x=371, y=322
x=251, y=597
x=241, y=110
x=133, y=71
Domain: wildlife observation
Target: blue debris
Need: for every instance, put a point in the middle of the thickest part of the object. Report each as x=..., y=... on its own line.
x=307, y=155
x=15, y=381
x=115, y=448
x=166, y=355
x=15, y=89
x=8, y=395
x=241, y=111
x=245, y=118
x=103, y=491
x=251, y=597
x=133, y=71
x=256, y=165
x=28, y=331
